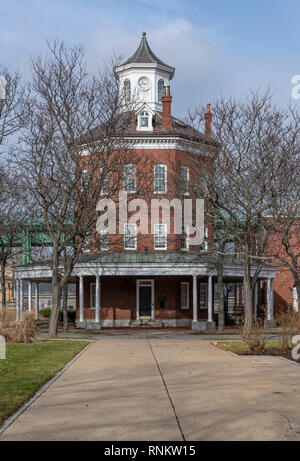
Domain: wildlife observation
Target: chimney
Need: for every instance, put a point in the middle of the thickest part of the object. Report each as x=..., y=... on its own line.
x=167, y=114
x=208, y=119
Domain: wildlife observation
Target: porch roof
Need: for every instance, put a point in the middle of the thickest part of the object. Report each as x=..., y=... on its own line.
x=146, y=263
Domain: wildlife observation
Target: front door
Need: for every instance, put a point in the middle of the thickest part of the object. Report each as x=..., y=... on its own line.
x=145, y=301
x=145, y=298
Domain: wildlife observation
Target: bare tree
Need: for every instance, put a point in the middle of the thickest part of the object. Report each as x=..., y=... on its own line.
x=248, y=177
x=72, y=146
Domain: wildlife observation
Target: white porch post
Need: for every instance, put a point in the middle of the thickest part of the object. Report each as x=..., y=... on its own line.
x=210, y=299
x=270, y=300
x=195, y=302
x=81, y=299
x=17, y=299
x=29, y=296
x=36, y=300
x=98, y=299
x=21, y=298
x=255, y=300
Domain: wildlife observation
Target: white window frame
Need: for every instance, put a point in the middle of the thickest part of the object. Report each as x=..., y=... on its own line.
x=127, y=91
x=187, y=306
x=125, y=178
x=127, y=226
x=205, y=307
x=185, y=180
x=86, y=245
x=156, y=178
x=185, y=231
x=84, y=176
x=104, y=232
x=205, y=243
x=105, y=177
x=157, y=235
x=91, y=296
x=158, y=92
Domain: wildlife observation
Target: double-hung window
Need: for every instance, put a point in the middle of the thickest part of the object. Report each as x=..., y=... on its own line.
x=130, y=177
x=185, y=296
x=185, y=178
x=130, y=236
x=127, y=90
x=185, y=238
x=104, y=239
x=93, y=296
x=160, y=236
x=160, y=179
x=203, y=296
x=104, y=178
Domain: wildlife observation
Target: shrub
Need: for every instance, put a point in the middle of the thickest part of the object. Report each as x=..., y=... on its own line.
x=256, y=340
x=289, y=322
x=46, y=313
x=25, y=331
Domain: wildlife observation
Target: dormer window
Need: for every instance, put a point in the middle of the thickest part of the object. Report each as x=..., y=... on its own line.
x=127, y=90
x=160, y=89
x=144, y=119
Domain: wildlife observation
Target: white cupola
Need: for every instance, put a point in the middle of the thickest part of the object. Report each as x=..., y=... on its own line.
x=143, y=76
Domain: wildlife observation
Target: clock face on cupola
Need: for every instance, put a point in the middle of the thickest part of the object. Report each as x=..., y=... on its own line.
x=143, y=76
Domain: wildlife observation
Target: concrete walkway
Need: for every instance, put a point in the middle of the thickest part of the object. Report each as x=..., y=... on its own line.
x=165, y=389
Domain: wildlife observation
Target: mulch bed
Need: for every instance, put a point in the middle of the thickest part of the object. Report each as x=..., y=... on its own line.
x=274, y=351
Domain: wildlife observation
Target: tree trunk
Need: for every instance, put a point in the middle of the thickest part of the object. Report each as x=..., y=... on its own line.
x=221, y=313
x=248, y=303
x=56, y=301
x=65, y=307
x=3, y=290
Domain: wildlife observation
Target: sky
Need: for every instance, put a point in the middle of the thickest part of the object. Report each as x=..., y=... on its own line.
x=220, y=47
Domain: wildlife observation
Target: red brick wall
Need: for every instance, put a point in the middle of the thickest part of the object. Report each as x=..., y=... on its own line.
x=118, y=298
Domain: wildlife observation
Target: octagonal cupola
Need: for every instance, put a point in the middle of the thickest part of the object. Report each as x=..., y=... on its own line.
x=143, y=76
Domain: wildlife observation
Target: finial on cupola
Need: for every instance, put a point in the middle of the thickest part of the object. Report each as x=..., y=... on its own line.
x=144, y=34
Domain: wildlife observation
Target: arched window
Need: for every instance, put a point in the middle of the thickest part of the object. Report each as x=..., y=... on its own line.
x=144, y=119
x=160, y=89
x=127, y=90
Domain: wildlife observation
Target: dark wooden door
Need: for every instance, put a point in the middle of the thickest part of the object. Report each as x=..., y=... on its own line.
x=145, y=301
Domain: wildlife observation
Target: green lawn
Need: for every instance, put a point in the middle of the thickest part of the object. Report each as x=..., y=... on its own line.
x=28, y=366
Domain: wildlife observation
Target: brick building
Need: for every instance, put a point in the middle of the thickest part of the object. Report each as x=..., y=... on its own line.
x=155, y=279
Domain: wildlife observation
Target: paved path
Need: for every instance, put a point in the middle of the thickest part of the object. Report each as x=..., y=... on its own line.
x=165, y=389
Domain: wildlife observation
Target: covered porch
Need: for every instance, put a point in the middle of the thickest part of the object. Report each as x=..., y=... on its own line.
x=155, y=289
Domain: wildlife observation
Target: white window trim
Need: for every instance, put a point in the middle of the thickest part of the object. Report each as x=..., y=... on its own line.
x=187, y=193
x=133, y=191
x=160, y=80
x=206, y=296
x=150, y=124
x=125, y=227
x=185, y=308
x=149, y=283
x=186, y=228
x=166, y=179
x=102, y=192
x=104, y=232
x=156, y=226
x=91, y=295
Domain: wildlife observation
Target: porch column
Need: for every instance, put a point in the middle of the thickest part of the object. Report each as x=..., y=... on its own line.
x=270, y=300
x=210, y=299
x=195, y=302
x=255, y=300
x=17, y=299
x=81, y=299
x=21, y=298
x=36, y=300
x=98, y=299
x=29, y=296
